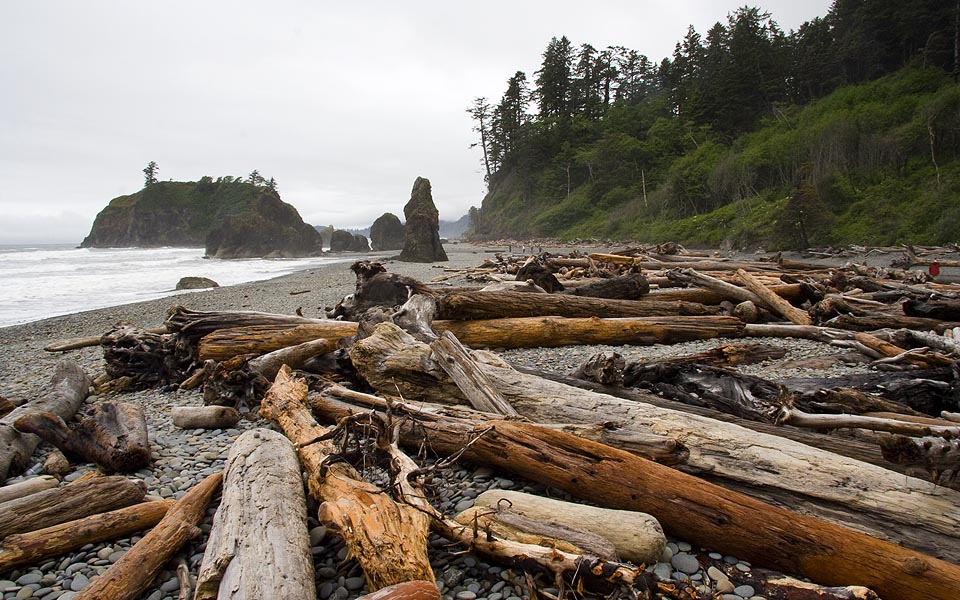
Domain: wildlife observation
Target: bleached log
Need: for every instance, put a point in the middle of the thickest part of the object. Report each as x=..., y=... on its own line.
x=636, y=536
x=884, y=503
x=21, y=549
x=204, y=417
x=68, y=388
x=388, y=540
x=476, y=387
x=127, y=578
x=74, y=501
x=798, y=418
x=773, y=301
x=26, y=487
x=258, y=546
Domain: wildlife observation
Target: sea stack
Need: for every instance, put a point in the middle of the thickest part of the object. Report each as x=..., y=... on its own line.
x=421, y=239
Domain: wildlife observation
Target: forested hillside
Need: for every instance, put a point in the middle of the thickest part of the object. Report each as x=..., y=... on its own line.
x=844, y=131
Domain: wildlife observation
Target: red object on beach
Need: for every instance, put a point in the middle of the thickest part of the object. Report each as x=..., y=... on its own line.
x=934, y=269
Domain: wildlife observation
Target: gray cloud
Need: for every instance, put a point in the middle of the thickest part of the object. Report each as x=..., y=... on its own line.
x=345, y=105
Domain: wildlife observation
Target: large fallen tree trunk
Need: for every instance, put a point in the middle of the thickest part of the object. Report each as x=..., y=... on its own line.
x=258, y=546
x=531, y=332
x=881, y=502
x=387, y=539
x=692, y=509
x=495, y=305
x=27, y=487
x=127, y=578
x=69, y=387
x=112, y=434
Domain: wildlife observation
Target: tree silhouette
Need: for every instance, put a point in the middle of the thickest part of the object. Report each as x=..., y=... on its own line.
x=150, y=173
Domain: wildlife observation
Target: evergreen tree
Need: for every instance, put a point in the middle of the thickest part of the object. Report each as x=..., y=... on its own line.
x=255, y=178
x=480, y=113
x=554, y=80
x=272, y=185
x=150, y=173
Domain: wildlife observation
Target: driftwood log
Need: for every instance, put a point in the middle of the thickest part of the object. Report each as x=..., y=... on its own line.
x=136, y=569
x=495, y=305
x=112, y=434
x=74, y=501
x=204, y=417
x=688, y=507
x=636, y=536
x=21, y=549
x=68, y=388
x=884, y=503
x=493, y=333
x=258, y=546
x=387, y=539
x=27, y=487
x=408, y=590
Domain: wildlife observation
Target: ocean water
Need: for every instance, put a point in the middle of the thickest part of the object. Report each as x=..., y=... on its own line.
x=40, y=281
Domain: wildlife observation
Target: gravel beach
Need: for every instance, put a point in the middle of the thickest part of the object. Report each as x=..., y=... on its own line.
x=181, y=458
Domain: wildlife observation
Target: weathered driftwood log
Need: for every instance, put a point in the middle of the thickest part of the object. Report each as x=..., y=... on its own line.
x=27, y=487
x=776, y=586
x=19, y=549
x=798, y=418
x=636, y=536
x=6, y=406
x=56, y=463
x=884, y=502
x=726, y=290
x=204, y=417
x=630, y=286
x=503, y=522
x=268, y=365
x=134, y=571
x=495, y=305
x=809, y=332
x=476, y=387
x=659, y=448
x=494, y=333
x=730, y=354
x=228, y=342
x=603, y=367
x=112, y=434
x=945, y=309
x=793, y=292
x=773, y=301
x=541, y=332
x=75, y=501
x=258, y=546
x=191, y=325
x=69, y=386
x=854, y=323
x=928, y=360
x=388, y=540
x=696, y=510
x=848, y=400
x=938, y=456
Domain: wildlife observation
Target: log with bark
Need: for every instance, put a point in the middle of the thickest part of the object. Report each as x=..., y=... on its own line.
x=227, y=342
x=494, y=333
x=127, y=578
x=112, y=434
x=773, y=301
x=74, y=501
x=388, y=540
x=20, y=549
x=630, y=286
x=142, y=359
x=884, y=503
x=258, y=546
x=688, y=507
x=494, y=305
x=68, y=388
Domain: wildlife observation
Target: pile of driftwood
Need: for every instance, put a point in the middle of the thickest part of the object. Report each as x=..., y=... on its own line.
x=737, y=464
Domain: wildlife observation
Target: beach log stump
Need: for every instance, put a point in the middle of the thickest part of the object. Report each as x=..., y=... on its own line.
x=204, y=417
x=112, y=434
x=258, y=546
x=127, y=578
x=68, y=388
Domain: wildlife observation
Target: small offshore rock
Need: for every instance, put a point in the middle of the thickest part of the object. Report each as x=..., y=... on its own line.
x=196, y=283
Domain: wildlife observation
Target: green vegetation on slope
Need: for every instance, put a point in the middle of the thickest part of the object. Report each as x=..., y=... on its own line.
x=822, y=149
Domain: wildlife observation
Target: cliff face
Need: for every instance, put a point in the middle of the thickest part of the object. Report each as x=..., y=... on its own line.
x=229, y=218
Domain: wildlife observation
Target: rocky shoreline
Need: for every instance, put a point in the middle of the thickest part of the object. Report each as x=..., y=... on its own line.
x=183, y=457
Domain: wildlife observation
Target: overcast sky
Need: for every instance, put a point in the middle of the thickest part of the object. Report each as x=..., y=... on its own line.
x=344, y=103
